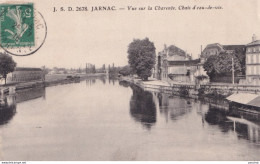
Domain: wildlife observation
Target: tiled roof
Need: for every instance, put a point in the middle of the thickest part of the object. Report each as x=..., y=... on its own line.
x=257, y=42
x=184, y=62
x=219, y=46
x=174, y=50
x=234, y=47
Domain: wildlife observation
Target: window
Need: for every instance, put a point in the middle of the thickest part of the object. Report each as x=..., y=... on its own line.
x=254, y=49
x=257, y=58
x=248, y=70
x=248, y=49
x=253, y=70
x=248, y=59
x=252, y=59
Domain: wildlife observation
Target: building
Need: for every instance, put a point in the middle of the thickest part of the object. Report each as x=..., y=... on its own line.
x=170, y=53
x=182, y=71
x=253, y=62
x=215, y=49
x=24, y=74
x=211, y=49
x=174, y=64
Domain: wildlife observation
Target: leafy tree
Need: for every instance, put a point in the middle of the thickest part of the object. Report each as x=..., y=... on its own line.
x=7, y=65
x=221, y=64
x=141, y=57
x=210, y=65
x=125, y=71
x=104, y=67
x=224, y=63
x=240, y=54
x=93, y=69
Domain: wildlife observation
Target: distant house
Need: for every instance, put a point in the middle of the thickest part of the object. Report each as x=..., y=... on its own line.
x=211, y=49
x=182, y=71
x=174, y=53
x=253, y=62
x=173, y=63
x=24, y=74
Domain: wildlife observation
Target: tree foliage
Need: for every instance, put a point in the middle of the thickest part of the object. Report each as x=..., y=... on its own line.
x=221, y=64
x=7, y=65
x=141, y=57
x=125, y=71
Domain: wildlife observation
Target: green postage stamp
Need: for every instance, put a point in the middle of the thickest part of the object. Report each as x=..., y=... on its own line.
x=17, y=25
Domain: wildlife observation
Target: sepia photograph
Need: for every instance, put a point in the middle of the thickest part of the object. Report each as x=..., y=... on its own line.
x=129, y=80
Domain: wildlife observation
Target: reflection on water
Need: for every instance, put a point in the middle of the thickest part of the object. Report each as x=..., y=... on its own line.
x=92, y=80
x=234, y=120
x=173, y=107
x=124, y=84
x=112, y=78
x=7, y=109
x=213, y=111
x=103, y=119
x=216, y=116
x=142, y=107
x=8, y=102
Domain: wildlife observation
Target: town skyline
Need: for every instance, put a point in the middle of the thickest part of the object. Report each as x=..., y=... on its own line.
x=99, y=40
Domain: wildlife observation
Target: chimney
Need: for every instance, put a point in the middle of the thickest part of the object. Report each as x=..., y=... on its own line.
x=254, y=38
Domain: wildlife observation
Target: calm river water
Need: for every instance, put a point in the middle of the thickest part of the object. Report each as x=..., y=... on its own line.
x=101, y=119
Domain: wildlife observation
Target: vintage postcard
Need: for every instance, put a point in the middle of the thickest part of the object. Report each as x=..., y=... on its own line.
x=130, y=80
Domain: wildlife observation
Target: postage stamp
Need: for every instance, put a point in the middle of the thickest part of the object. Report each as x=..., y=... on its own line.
x=23, y=29
x=17, y=25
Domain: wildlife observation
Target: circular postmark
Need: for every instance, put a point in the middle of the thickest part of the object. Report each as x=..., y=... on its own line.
x=24, y=36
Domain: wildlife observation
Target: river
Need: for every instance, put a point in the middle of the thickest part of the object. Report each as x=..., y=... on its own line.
x=103, y=119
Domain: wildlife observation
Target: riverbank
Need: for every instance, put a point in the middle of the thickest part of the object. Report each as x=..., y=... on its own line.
x=191, y=90
x=50, y=80
x=68, y=78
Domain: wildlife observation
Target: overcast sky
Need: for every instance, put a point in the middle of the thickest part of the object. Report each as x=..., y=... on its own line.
x=75, y=38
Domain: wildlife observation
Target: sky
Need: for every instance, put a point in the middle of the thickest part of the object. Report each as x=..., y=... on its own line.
x=101, y=37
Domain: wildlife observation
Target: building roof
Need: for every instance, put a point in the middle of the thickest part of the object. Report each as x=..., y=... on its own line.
x=27, y=69
x=234, y=47
x=257, y=42
x=211, y=46
x=214, y=45
x=173, y=50
x=225, y=48
x=184, y=62
x=246, y=99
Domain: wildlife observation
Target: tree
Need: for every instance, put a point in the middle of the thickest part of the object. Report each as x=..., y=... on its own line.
x=141, y=57
x=225, y=63
x=104, y=68
x=93, y=69
x=210, y=65
x=7, y=65
x=221, y=64
x=125, y=71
